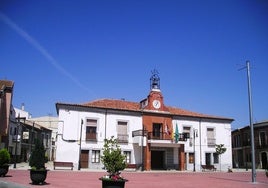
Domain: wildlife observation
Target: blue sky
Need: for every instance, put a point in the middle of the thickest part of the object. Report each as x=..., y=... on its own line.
x=78, y=51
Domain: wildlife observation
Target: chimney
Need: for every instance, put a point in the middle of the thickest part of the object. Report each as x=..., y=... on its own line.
x=22, y=106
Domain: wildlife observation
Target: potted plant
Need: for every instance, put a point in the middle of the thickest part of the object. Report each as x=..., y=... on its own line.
x=4, y=160
x=114, y=162
x=38, y=171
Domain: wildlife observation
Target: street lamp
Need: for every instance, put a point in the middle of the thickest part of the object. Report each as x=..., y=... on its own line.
x=195, y=135
x=17, y=134
x=79, y=161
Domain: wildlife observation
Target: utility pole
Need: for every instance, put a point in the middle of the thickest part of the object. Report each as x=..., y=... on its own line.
x=79, y=160
x=251, y=125
x=195, y=135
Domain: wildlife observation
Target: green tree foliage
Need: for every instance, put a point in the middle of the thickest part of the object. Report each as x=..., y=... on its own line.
x=37, y=158
x=112, y=158
x=4, y=157
x=220, y=149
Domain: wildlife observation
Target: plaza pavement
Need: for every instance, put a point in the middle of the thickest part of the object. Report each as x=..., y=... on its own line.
x=20, y=178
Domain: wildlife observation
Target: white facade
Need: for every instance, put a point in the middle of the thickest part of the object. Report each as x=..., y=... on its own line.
x=204, y=149
x=73, y=122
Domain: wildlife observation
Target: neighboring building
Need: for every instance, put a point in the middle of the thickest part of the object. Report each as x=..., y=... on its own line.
x=15, y=127
x=28, y=129
x=6, y=110
x=25, y=134
x=151, y=134
x=51, y=123
x=241, y=144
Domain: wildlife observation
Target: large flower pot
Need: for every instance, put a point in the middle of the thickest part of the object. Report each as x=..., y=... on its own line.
x=113, y=184
x=4, y=170
x=38, y=176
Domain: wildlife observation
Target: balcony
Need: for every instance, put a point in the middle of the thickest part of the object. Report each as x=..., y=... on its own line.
x=91, y=137
x=122, y=138
x=211, y=142
x=261, y=146
x=165, y=136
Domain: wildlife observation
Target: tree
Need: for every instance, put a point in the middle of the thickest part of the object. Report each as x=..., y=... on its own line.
x=220, y=149
x=38, y=158
x=112, y=158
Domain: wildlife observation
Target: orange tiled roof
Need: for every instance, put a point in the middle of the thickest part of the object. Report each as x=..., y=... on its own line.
x=6, y=83
x=134, y=106
x=114, y=104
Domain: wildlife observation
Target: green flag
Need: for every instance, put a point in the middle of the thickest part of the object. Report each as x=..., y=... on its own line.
x=176, y=134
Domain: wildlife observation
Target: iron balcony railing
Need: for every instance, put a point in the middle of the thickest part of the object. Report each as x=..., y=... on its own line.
x=91, y=136
x=211, y=142
x=122, y=138
x=166, y=136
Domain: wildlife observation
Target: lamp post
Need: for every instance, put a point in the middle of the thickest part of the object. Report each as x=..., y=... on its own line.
x=32, y=138
x=79, y=161
x=16, y=147
x=195, y=135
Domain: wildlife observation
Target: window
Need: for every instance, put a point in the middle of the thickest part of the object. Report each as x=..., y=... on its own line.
x=128, y=156
x=246, y=139
x=47, y=139
x=95, y=158
x=262, y=141
x=191, y=157
x=211, y=141
x=216, y=158
x=186, y=132
x=157, y=130
x=91, y=129
x=122, y=136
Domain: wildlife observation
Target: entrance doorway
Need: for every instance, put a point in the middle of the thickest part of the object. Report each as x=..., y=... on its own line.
x=264, y=160
x=84, y=158
x=208, y=159
x=157, y=160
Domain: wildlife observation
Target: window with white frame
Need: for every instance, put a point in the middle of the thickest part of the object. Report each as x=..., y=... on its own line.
x=215, y=158
x=191, y=157
x=95, y=157
x=91, y=129
x=186, y=131
x=128, y=156
x=122, y=135
x=211, y=141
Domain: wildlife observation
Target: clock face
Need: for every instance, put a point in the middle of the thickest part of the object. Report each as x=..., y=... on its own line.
x=156, y=104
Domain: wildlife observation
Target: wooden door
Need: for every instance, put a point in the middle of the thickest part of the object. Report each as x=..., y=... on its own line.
x=84, y=158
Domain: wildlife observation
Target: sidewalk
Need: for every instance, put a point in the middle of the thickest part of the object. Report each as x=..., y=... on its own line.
x=19, y=178
x=25, y=166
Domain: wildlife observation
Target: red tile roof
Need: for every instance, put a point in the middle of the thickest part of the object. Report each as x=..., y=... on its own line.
x=6, y=83
x=134, y=106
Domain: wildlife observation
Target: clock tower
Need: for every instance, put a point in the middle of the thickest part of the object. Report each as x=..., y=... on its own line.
x=155, y=98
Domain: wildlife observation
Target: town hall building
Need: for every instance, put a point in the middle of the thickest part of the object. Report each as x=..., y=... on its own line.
x=152, y=135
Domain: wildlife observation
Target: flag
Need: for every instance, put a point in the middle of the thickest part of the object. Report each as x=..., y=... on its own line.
x=177, y=134
x=167, y=129
x=172, y=134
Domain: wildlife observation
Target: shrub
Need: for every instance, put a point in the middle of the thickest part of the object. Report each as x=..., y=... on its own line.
x=112, y=158
x=37, y=159
x=4, y=157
